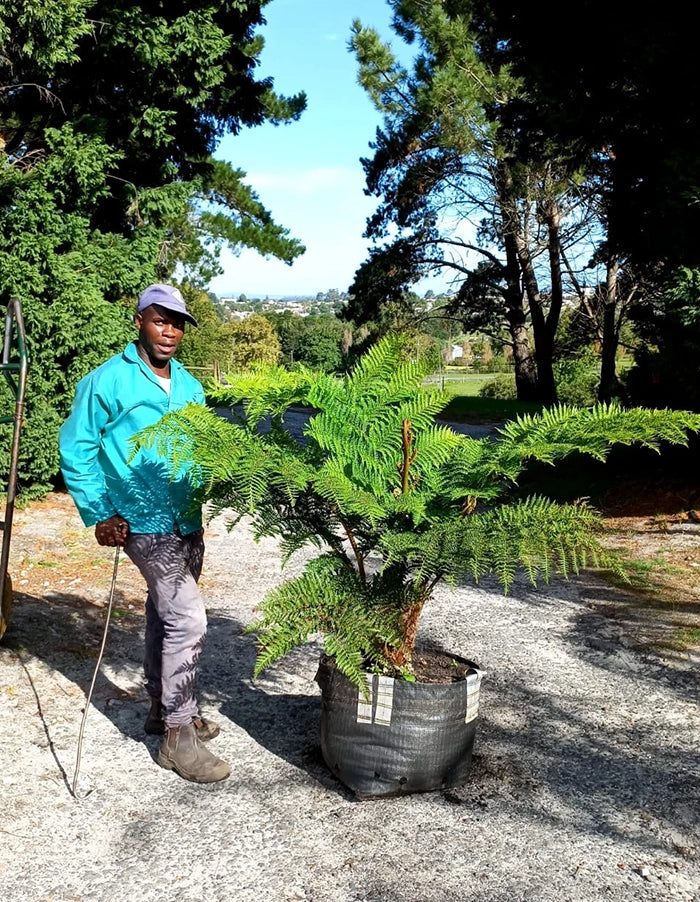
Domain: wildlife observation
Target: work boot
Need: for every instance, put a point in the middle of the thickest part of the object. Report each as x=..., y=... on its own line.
x=155, y=725
x=182, y=752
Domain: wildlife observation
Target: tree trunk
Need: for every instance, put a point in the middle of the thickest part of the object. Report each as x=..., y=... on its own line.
x=526, y=375
x=524, y=362
x=609, y=381
x=543, y=327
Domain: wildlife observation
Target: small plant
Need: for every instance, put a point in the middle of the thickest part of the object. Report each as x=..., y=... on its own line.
x=689, y=636
x=660, y=522
x=394, y=502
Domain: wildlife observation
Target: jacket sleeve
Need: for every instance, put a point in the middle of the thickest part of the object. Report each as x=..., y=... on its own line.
x=79, y=444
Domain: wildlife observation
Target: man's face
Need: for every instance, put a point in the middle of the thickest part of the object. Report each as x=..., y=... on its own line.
x=160, y=333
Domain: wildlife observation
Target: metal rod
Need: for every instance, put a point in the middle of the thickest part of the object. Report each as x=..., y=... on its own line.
x=14, y=310
x=94, y=676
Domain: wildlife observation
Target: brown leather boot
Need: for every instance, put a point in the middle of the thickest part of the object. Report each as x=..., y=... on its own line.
x=155, y=725
x=183, y=752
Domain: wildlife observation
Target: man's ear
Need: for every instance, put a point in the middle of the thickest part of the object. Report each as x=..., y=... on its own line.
x=138, y=319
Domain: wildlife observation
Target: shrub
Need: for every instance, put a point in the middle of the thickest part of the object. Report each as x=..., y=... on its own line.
x=502, y=388
x=577, y=380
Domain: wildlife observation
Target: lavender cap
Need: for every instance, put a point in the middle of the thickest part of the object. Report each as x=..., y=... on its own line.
x=165, y=296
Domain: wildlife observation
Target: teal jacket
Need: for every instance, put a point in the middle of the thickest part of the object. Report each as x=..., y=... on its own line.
x=111, y=404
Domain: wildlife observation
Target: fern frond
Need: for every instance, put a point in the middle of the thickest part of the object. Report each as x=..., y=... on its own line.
x=535, y=535
x=266, y=391
x=332, y=483
x=560, y=430
x=327, y=599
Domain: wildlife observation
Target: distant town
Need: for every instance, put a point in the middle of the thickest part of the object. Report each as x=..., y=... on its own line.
x=324, y=302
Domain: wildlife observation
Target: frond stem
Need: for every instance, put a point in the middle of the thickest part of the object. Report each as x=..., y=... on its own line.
x=356, y=551
x=408, y=455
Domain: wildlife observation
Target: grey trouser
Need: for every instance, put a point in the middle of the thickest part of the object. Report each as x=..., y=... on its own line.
x=176, y=620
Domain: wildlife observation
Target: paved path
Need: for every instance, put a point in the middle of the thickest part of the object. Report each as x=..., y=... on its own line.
x=296, y=418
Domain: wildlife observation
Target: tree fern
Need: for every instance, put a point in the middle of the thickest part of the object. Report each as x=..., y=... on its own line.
x=375, y=478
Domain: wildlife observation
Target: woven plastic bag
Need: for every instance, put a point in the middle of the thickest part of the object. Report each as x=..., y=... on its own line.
x=406, y=738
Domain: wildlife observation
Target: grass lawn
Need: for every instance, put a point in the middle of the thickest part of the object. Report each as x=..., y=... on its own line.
x=465, y=405
x=459, y=384
x=466, y=409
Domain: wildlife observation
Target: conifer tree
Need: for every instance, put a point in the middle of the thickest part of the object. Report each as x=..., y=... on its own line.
x=110, y=116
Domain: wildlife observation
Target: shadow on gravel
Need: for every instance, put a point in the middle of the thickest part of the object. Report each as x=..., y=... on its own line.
x=285, y=724
x=65, y=632
x=581, y=773
x=618, y=630
x=532, y=753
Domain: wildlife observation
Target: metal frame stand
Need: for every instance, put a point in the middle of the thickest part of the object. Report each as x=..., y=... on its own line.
x=15, y=374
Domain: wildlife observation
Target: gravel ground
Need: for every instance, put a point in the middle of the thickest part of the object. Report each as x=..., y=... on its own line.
x=584, y=784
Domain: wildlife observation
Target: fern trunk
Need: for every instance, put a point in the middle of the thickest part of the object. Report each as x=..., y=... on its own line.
x=402, y=655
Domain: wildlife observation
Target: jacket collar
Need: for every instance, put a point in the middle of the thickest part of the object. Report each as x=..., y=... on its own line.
x=132, y=355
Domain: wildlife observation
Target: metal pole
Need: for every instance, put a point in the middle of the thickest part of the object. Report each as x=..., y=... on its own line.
x=94, y=676
x=14, y=311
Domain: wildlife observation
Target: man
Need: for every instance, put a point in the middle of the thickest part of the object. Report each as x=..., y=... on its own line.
x=135, y=503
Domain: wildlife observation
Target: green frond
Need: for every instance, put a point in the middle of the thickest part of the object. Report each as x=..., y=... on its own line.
x=536, y=535
x=267, y=391
x=327, y=599
x=192, y=438
x=333, y=484
x=380, y=364
x=411, y=506
x=560, y=430
x=349, y=659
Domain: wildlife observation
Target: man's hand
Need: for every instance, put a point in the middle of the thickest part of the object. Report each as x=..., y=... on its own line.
x=113, y=531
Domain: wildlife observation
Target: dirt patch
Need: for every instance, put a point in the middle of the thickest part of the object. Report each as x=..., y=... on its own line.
x=53, y=556
x=655, y=526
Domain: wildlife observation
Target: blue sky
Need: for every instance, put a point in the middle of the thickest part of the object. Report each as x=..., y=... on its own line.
x=308, y=173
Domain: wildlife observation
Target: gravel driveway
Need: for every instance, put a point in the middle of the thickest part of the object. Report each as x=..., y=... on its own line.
x=585, y=784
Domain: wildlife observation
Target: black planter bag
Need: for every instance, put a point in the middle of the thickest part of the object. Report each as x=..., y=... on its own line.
x=409, y=737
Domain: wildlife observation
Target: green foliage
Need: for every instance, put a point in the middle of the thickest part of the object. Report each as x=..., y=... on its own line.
x=322, y=345
x=39, y=36
x=535, y=535
x=69, y=278
x=253, y=342
x=314, y=341
x=329, y=598
x=502, y=387
x=635, y=99
x=577, y=380
x=208, y=343
x=171, y=80
x=393, y=502
x=445, y=156
x=110, y=115
x=667, y=365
